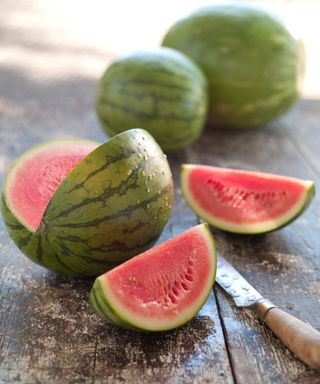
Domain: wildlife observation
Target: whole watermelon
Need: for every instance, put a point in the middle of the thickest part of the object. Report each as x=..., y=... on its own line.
x=251, y=61
x=162, y=91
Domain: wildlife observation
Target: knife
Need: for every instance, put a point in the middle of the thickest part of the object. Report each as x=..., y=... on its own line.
x=300, y=337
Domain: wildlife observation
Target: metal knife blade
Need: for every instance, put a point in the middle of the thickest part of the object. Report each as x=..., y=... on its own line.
x=243, y=294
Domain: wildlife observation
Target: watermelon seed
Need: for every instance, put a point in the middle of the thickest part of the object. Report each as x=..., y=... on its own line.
x=184, y=286
x=172, y=298
x=175, y=291
x=188, y=277
x=189, y=270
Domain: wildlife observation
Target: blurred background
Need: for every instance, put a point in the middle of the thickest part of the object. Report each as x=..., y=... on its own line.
x=63, y=39
x=52, y=54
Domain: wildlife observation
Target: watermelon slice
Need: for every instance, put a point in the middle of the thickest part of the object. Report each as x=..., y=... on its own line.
x=243, y=201
x=162, y=288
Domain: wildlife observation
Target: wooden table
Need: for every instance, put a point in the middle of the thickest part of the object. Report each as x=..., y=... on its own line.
x=49, y=334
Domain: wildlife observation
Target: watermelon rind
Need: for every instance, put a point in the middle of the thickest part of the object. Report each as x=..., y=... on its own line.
x=256, y=228
x=159, y=90
x=109, y=308
x=113, y=205
x=251, y=60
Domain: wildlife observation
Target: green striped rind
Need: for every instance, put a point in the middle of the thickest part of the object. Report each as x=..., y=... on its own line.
x=101, y=306
x=251, y=229
x=112, y=206
x=161, y=91
x=101, y=302
x=250, y=59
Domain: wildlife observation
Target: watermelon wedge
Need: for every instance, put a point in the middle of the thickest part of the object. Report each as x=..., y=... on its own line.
x=243, y=201
x=162, y=288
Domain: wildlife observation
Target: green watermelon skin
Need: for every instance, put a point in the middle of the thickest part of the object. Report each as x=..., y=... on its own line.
x=161, y=91
x=249, y=57
x=113, y=205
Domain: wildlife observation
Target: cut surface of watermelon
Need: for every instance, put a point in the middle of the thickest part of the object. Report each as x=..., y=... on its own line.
x=161, y=288
x=244, y=201
x=36, y=175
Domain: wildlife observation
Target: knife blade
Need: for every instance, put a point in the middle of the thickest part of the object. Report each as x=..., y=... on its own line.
x=300, y=337
x=243, y=293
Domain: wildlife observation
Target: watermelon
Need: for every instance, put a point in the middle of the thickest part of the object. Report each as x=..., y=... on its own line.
x=244, y=201
x=161, y=90
x=162, y=288
x=251, y=61
x=79, y=208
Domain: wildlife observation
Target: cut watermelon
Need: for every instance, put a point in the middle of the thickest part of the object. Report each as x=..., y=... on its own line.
x=162, y=288
x=80, y=208
x=242, y=201
x=38, y=173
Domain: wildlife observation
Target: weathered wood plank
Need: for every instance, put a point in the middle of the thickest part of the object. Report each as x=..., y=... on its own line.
x=283, y=265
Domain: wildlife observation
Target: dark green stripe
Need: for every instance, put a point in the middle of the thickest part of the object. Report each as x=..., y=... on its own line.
x=139, y=95
x=104, y=309
x=110, y=160
x=39, y=254
x=107, y=310
x=88, y=259
x=125, y=212
x=158, y=84
x=14, y=227
x=144, y=115
x=58, y=259
x=24, y=241
x=133, y=178
x=118, y=246
x=95, y=305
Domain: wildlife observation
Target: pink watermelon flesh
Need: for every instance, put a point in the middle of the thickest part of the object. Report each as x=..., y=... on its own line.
x=36, y=175
x=166, y=283
x=243, y=197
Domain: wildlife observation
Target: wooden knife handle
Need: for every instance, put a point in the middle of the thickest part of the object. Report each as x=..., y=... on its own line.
x=301, y=338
